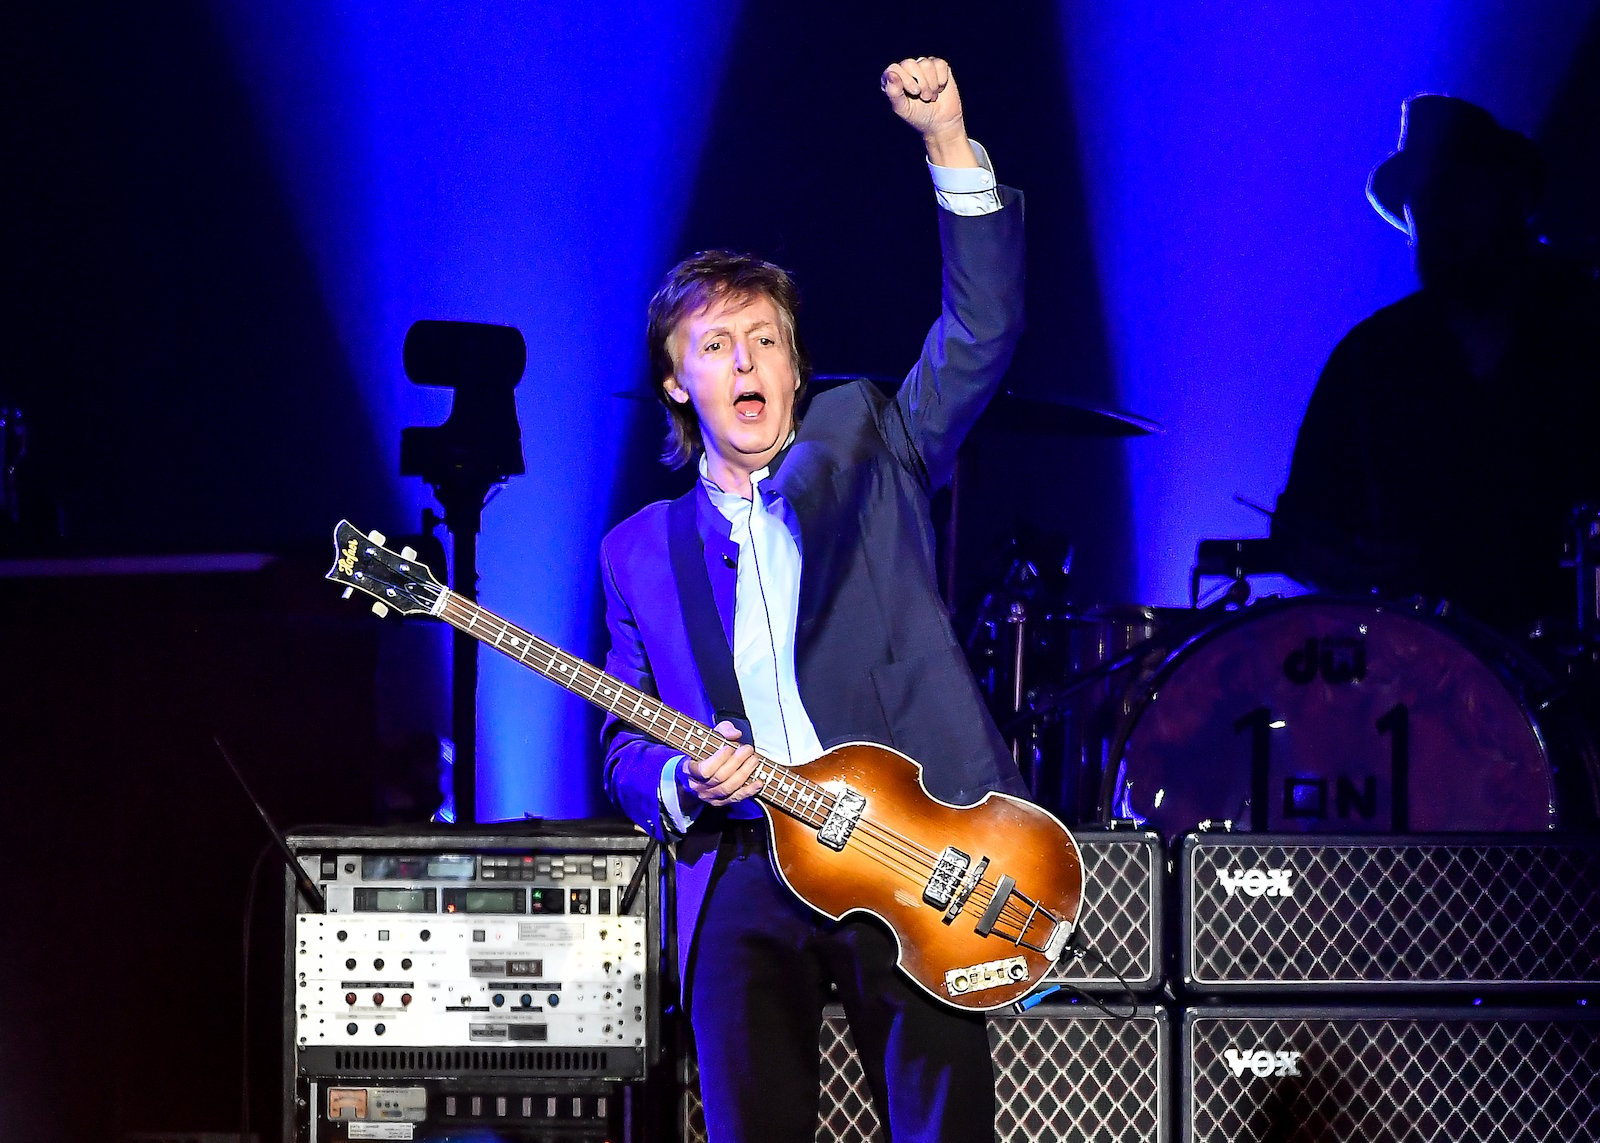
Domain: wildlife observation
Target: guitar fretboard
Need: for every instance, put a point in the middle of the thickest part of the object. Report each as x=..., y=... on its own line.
x=781, y=788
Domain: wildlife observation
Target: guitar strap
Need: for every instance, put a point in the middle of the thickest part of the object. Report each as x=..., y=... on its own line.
x=707, y=641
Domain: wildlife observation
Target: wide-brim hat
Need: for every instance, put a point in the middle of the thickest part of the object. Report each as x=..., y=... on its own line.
x=1439, y=133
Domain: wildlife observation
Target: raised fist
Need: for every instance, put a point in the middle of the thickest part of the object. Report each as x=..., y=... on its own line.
x=923, y=92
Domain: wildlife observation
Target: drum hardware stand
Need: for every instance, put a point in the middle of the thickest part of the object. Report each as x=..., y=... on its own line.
x=1232, y=559
x=1040, y=707
x=1023, y=589
x=1044, y=702
x=478, y=447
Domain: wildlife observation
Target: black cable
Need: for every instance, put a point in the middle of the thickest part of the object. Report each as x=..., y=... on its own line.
x=244, y=1008
x=625, y=902
x=1080, y=952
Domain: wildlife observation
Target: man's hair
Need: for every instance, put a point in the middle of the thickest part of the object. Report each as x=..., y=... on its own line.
x=690, y=286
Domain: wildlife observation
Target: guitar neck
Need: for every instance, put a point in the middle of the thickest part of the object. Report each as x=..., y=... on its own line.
x=581, y=678
x=782, y=789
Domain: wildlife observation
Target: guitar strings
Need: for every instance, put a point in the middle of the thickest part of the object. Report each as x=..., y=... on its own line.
x=893, y=850
x=915, y=861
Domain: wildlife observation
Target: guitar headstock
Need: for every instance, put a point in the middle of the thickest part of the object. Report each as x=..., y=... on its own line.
x=394, y=579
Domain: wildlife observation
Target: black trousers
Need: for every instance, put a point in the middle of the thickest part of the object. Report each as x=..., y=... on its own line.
x=760, y=973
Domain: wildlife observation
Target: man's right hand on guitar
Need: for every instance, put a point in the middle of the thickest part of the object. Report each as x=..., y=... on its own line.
x=725, y=777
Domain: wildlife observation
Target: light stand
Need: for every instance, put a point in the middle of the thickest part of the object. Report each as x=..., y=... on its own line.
x=478, y=446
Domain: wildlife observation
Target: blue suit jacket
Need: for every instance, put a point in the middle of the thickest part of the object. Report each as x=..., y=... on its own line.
x=874, y=652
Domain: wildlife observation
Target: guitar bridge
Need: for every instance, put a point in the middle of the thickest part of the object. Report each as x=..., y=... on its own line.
x=841, y=820
x=947, y=873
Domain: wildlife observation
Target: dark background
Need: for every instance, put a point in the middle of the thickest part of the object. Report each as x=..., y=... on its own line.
x=166, y=337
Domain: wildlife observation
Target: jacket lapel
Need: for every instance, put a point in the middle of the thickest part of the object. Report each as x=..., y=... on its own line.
x=721, y=558
x=713, y=657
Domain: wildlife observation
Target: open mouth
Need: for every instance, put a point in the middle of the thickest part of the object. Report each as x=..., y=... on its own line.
x=749, y=406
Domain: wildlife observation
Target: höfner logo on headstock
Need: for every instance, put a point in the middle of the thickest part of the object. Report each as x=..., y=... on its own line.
x=1256, y=882
x=1262, y=1063
x=347, y=558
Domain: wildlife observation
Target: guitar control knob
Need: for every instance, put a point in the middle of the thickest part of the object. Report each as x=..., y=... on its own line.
x=958, y=984
x=1018, y=971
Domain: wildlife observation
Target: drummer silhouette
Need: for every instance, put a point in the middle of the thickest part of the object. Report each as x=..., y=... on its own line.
x=1451, y=434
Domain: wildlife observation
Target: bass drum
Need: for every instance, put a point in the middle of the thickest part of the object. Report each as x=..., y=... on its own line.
x=1317, y=714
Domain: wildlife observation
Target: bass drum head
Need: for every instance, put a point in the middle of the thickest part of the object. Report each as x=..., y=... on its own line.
x=1314, y=707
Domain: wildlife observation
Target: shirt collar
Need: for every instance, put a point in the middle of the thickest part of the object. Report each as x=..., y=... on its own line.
x=726, y=500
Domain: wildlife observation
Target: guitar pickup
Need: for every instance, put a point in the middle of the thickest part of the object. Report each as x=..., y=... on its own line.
x=841, y=820
x=947, y=873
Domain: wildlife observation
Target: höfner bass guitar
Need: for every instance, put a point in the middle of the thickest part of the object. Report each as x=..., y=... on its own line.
x=982, y=899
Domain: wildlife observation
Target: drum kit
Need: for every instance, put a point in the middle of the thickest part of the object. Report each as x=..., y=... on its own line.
x=1311, y=713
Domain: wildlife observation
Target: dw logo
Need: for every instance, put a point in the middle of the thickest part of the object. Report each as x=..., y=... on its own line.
x=1256, y=882
x=1337, y=659
x=1262, y=1063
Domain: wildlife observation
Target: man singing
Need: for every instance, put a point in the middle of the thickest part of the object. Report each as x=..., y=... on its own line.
x=790, y=598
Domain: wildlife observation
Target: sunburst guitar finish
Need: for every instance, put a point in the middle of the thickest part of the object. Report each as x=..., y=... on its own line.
x=1012, y=863
x=982, y=899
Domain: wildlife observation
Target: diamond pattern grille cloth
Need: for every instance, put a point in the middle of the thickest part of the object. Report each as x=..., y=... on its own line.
x=1375, y=1080
x=1118, y=920
x=1402, y=913
x=1083, y=1077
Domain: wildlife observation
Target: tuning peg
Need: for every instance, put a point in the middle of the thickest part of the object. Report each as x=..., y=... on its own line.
x=408, y=553
x=347, y=593
x=380, y=609
x=377, y=537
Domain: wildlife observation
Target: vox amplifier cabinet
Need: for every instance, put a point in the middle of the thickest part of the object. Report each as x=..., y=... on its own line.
x=1062, y=1071
x=1374, y=1075
x=1120, y=921
x=1263, y=913
x=460, y=971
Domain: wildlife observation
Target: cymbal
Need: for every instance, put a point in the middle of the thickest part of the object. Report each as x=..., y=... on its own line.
x=1061, y=416
x=1010, y=411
